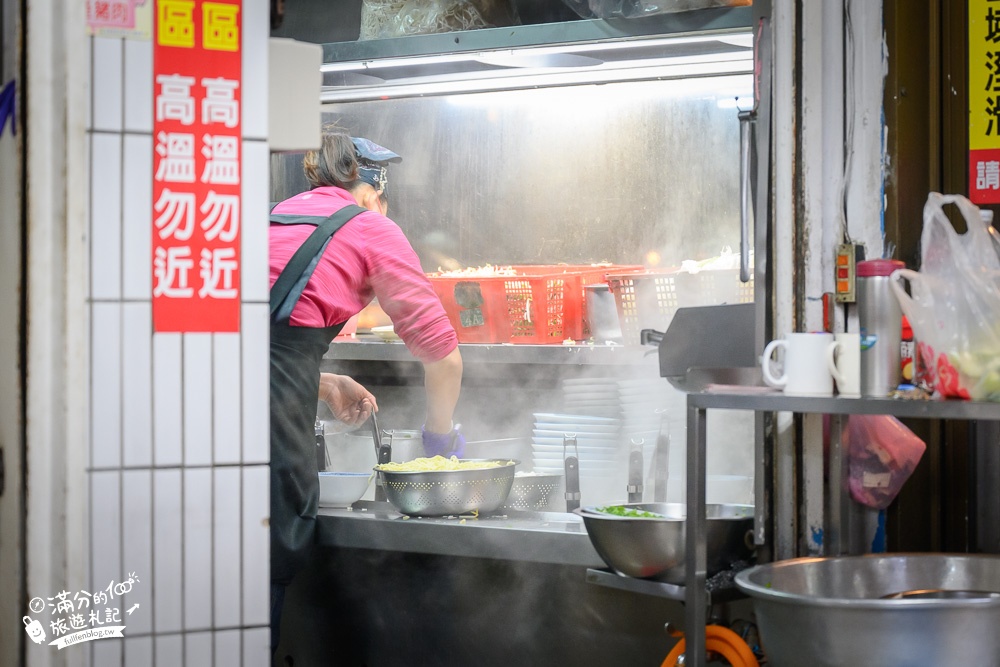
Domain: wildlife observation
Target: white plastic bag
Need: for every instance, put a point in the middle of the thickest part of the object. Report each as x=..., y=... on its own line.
x=382, y=19
x=630, y=9
x=954, y=302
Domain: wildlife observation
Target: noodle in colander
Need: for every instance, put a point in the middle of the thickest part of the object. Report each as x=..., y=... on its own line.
x=438, y=464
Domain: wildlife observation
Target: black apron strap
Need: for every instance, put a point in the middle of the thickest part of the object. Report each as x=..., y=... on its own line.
x=301, y=263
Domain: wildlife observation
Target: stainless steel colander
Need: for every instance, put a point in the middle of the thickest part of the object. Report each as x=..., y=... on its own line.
x=444, y=492
x=541, y=493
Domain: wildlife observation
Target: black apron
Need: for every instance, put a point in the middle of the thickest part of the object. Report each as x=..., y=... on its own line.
x=296, y=353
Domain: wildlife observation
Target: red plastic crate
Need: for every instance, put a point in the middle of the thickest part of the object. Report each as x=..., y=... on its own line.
x=542, y=304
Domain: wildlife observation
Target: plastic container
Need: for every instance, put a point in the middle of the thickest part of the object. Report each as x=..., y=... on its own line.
x=906, y=349
x=881, y=321
x=649, y=299
x=540, y=305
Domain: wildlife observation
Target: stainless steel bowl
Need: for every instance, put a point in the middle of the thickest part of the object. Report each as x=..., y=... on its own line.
x=854, y=610
x=445, y=492
x=653, y=548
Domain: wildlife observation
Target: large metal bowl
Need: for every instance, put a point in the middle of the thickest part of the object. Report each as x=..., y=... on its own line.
x=653, y=548
x=846, y=611
x=447, y=492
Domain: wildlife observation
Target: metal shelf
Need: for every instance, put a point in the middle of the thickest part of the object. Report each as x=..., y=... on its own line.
x=840, y=511
x=662, y=589
x=534, y=537
x=836, y=405
x=573, y=355
x=703, y=21
x=643, y=586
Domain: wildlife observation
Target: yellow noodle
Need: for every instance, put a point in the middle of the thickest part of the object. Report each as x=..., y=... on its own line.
x=437, y=464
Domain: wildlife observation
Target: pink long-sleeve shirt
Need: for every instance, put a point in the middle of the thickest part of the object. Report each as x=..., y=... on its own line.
x=368, y=257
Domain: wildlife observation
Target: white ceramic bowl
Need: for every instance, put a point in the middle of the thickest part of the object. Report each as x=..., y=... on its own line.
x=340, y=489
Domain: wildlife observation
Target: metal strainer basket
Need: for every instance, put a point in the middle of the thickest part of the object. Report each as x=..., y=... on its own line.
x=532, y=491
x=444, y=492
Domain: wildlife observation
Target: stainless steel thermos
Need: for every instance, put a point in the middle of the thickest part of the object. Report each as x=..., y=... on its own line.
x=880, y=319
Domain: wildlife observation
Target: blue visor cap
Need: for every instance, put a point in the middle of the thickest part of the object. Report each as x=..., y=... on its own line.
x=372, y=159
x=369, y=150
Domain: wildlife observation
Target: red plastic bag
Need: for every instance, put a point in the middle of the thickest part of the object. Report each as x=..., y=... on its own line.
x=882, y=454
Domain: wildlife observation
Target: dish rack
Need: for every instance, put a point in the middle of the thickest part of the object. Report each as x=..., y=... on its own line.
x=649, y=299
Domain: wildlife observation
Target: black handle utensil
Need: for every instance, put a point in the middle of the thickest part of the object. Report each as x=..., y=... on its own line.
x=635, y=464
x=322, y=456
x=661, y=456
x=572, y=462
x=383, y=454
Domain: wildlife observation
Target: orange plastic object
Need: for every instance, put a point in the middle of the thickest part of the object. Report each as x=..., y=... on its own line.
x=541, y=305
x=719, y=640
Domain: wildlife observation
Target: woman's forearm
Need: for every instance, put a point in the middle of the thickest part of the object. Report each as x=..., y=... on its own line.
x=443, y=384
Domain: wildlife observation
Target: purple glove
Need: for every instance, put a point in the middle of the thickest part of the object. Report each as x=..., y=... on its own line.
x=443, y=444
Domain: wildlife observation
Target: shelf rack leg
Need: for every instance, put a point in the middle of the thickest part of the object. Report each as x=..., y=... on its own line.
x=848, y=523
x=695, y=549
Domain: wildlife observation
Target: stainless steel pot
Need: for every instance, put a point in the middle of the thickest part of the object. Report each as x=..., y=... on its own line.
x=355, y=452
x=847, y=611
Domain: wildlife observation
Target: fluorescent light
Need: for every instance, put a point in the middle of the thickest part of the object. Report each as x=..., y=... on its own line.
x=505, y=80
x=733, y=39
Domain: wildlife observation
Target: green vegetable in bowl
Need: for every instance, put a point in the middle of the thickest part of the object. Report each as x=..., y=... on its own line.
x=621, y=510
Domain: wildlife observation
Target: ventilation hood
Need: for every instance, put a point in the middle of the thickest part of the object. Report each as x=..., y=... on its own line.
x=715, y=42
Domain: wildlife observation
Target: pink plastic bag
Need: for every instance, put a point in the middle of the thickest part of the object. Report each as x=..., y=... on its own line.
x=954, y=303
x=882, y=454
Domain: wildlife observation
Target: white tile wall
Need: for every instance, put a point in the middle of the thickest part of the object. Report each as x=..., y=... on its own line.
x=256, y=31
x=168, y=650
x=138, y=650
x=175, y=418
x=107, y=84
x=168, y=536
x=198, y=399
x=106, y=217
x=256, y=545
x=136, y=230
x=106, y=388
x=253, y=235
x=89, y=115
x=227, y=567
x=105, y=530
x=108, y=652
x=256, y=647
x=226, y=398
x=137, y=384
x=167, y=416
x=139, y=87
x=198, y=548
x=228, y=648
x=137, y=547
x=198, y=648
x=256, y=376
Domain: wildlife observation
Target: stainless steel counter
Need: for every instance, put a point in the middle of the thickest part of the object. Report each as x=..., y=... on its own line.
x=539, y=537
x=370, y=348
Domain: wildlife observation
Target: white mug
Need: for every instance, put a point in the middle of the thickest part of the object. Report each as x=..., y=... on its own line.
x=804, y=367
x=844, y=361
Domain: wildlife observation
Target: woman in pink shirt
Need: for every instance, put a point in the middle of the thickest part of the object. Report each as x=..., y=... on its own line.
x=332, y=250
